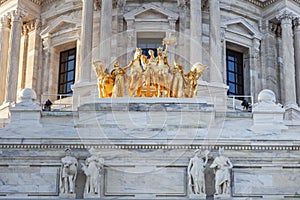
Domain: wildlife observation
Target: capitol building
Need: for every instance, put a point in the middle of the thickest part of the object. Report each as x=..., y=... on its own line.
x=150, y=99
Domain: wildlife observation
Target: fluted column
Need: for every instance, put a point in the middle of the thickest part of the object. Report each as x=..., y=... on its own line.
x=4, y=38
x=215, y=42
x=13, y=56
x=106, y=31
x=196, y=31
x=86, y=41
x=288, y=59
x=297, y=56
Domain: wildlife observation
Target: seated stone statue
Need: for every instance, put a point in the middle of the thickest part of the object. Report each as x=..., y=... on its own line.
x=68, y=173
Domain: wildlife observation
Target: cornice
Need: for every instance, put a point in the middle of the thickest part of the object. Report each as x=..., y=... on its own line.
x=153, y=147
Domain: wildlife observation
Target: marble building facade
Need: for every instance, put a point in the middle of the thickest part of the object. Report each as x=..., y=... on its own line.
x=140, y=148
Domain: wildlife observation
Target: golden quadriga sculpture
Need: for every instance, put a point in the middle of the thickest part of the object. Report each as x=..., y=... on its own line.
x=148, y=77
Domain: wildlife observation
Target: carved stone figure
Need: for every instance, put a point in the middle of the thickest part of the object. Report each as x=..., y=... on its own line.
x=68, y=173
x=196, y=172
x=222, y=166
x=92, y=168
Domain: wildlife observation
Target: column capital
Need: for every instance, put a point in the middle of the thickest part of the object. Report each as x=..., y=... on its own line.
x=16, y=15
x=297, y=21
x=4, y=21
x=286, y=16
x=183, y=4
x=119, y=3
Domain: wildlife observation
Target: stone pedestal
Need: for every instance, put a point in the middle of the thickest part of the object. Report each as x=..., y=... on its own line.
x=197, y=196
x=26, y=113
x=267, y=116
x=214, y=93
x=83, y=93
x=67, y=196
x=292, y=114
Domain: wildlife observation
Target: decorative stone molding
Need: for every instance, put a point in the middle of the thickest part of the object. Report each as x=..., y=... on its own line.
x=172, y=16
x=286, y=15
x=183, y=4
x=16, y=15
x=4, y=21
x=264, y=147
x=241, y=21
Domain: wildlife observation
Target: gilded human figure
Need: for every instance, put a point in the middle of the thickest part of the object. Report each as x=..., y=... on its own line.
x=150, y=69
x=192, y=78
x=178, y=82
x=222, y=166
x=196, y=174
x=68, y=173
x=92, y=169
x=105, y=80
x=119, y=76
x=135, y=76
x=163, y=70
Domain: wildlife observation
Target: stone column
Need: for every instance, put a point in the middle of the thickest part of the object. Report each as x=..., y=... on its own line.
x=297, y=56
x=183, y=9
x=86, y=41
x=254, y=68
x=13, y=56
x=23, y=57
x=131, y=42
x=196, y=31
x=4, y=38
x=215, y=42
x=33, y=64
x=288, y=59
x=106, y=31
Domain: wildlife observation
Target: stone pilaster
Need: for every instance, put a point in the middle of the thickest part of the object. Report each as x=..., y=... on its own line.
x=13, y=55
x=196, y=31
x=106, y=31
x=215, y=42
x=48, y=52
x=254, y=68
x=23, y=57
x=183, y=6
x=131, y=43
x=297, y=56
x=288, y=59
x=4, y=42
x=86, y=41
x=33, y=56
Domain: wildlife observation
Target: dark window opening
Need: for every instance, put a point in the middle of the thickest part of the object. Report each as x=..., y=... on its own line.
x=67, y=64
x=235, y=79
x=147, y=44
